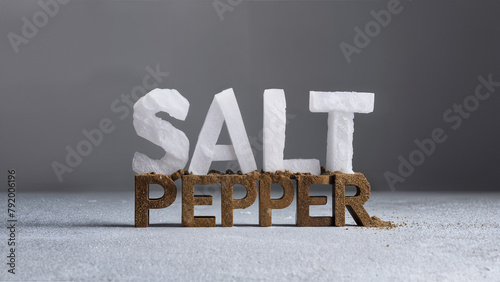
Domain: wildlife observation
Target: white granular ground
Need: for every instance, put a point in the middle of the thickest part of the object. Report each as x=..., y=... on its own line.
x=90, y=236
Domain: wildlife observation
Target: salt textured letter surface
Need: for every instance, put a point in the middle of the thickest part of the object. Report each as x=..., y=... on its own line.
x=355, y=102
x=224, y=107
x=274, y=137
x=160, y=132
x=340, y=107
x=274, y=129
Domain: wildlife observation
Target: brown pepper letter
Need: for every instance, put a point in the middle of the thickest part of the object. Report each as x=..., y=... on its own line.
x=227, y=201
x=142, y=201
x=353, y=204
x=266, y=204
x=189, y=200
x=304, y=200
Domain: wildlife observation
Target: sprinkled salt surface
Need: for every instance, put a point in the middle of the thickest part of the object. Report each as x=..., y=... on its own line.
x=442, y=237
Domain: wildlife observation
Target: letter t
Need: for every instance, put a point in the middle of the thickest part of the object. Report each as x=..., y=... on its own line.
x=340, y=107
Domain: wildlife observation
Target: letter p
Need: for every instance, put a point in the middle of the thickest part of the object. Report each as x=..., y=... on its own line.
x=142, y=201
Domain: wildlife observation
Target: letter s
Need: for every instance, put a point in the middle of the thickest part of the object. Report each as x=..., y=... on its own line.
x=161, y=132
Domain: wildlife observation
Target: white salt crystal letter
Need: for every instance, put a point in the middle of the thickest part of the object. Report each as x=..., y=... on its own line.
x=340, y=107
x=160, y=132
x=355, y=102
x=274, y=129
x=302, y=165
x=274, y=137
x=224, y=107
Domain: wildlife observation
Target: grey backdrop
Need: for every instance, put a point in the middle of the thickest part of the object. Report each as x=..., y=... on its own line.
x=66, y=77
